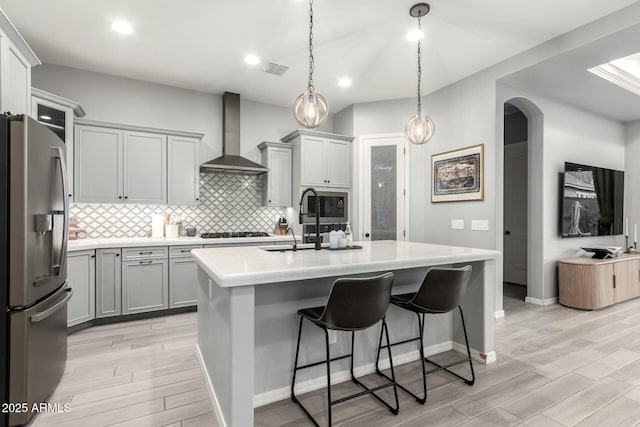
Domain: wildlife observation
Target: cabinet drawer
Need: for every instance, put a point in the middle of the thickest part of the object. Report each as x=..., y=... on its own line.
x=144, y=253
x=182, y=251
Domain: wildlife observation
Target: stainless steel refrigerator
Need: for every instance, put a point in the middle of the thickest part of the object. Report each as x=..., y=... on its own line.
x=33, y=275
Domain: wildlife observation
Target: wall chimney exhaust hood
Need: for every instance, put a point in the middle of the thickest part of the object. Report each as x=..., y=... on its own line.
x=231, y=161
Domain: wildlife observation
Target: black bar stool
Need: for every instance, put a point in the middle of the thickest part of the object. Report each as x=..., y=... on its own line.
x=441, y=291
x=353, y=305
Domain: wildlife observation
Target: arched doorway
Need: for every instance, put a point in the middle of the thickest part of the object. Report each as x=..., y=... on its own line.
x=522, y=198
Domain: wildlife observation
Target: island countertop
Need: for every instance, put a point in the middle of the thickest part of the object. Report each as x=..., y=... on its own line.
x=231, y=267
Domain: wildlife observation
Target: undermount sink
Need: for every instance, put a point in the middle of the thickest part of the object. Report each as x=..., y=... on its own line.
x=286, y=248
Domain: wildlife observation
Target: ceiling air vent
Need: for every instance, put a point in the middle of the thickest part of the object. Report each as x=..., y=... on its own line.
x=276, y=69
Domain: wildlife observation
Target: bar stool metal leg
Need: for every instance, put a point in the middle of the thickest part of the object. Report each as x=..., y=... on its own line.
x=326, y=340
x=420, y=400
x=459, y=362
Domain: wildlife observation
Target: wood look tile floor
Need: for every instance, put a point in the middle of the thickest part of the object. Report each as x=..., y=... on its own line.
x=556, y=367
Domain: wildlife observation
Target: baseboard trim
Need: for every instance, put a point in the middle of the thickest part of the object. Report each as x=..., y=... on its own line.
x=209, y=385
x=484, y=358
x=498, y=314
x=542, y=302
x=342, y=376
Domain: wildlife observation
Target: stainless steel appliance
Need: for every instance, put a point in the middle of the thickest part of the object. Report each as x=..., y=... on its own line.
x=334, y=207
x=33, y=268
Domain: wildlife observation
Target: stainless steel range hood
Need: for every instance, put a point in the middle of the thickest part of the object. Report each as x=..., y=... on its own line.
x=231, y=161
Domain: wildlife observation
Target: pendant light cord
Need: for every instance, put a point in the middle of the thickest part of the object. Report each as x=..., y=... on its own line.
x=310, y=87
x=419, y=65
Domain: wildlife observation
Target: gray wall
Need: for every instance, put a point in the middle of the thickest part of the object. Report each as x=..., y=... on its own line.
x=469, y=112
x=569, y=135
x=122, y=100
x=632, y=175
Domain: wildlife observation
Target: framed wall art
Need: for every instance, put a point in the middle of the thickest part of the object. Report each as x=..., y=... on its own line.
x=458, y=175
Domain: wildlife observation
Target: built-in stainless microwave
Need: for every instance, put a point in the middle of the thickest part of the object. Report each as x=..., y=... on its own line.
x=333, y=207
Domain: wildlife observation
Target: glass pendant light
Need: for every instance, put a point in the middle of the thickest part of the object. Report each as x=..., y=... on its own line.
x=310, y=109
x=420, y=128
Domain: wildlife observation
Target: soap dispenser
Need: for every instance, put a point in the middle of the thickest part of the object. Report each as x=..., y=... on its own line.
x=348, y=235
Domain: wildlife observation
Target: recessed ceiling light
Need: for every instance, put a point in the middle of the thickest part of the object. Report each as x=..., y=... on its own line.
x=415, y=35
x=43, y=117
x=122, y=27
x=344, y=82
x=624, y=72
x=251, y=60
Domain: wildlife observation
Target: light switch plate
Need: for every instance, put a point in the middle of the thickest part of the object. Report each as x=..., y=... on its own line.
x=480, y=225
x=457, y=224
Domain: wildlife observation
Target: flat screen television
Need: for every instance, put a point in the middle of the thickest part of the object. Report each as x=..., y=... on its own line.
x=592, y=201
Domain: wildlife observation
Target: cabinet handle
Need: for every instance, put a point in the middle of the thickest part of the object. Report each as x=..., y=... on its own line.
x=614, y=281
x=145, y=262
x=93, y=256
x=197, y=198
x=146, y=253
x=70, y=195
x=185, y=250
x=126, y=197
x=269, y=201
x=119, y=197
x=117, y=254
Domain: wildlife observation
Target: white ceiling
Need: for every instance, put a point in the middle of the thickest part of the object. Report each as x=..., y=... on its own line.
x=566, y=79
x=200, y=44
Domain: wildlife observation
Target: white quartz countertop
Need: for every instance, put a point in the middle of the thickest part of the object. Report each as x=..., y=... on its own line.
x=231, y=267
x=127, y=242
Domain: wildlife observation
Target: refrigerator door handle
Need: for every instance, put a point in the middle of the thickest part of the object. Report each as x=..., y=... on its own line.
x=65, y=203
x=39, y=317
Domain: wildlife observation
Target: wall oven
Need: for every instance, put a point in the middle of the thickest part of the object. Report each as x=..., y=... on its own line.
x=334, y=207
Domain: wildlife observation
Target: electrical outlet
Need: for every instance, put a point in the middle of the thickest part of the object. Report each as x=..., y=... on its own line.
x=457, y=224
x=480, y=225
x=333, y=336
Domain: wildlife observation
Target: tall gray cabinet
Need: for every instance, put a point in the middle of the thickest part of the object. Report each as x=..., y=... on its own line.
x=108, y=283
x=81, y=278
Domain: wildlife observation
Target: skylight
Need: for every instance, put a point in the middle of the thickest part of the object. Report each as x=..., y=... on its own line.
x=624, y=72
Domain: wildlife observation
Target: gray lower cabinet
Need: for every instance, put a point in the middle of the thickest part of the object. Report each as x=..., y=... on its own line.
x=81, y=277
x=108, y=283
x=183, y=277
x=145, y=285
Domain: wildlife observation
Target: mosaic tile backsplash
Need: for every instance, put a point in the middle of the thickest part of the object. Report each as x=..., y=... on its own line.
x=227, y=203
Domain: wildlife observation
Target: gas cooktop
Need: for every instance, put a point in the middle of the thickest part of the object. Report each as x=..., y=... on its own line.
x=228, y=235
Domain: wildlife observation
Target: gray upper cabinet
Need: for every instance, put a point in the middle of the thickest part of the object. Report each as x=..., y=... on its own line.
x=98, y=165
x=184, y=176
x=338, y=163
x=108, y=283
x=276, y=184
x=313, y=162
x=145, y=168
x=16, y=60
x=81, y=277
x=320, y=159
x=117, y=163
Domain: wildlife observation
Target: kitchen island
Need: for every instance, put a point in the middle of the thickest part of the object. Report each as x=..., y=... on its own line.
x=247, y=321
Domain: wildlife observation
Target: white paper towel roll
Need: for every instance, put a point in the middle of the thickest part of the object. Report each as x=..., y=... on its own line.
x=157, y=226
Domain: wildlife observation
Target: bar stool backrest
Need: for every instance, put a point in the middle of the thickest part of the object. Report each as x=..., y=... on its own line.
x=442, y=289
x=357, y=303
